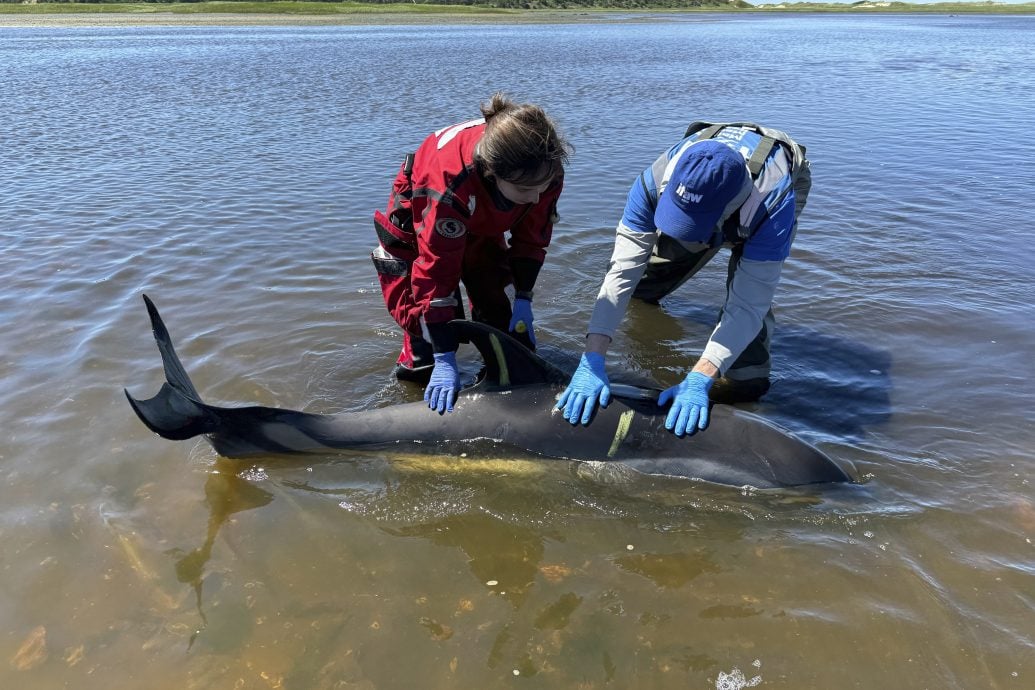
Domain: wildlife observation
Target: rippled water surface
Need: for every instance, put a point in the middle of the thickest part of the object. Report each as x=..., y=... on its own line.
x=230, y=174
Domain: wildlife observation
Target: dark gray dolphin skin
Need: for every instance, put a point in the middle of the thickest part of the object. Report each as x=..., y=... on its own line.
x=512, y=405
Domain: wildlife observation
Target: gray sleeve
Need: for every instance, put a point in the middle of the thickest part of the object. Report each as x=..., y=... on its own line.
x=747, y=302
x=628, y=262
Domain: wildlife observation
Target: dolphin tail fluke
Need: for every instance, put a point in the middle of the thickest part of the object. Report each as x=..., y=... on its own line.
x=172, y=415
x=177, y=412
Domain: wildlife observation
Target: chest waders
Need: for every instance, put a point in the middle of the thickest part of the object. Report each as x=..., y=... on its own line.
x=671, y=264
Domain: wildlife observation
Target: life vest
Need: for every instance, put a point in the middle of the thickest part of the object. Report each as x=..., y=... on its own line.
x=755, y=143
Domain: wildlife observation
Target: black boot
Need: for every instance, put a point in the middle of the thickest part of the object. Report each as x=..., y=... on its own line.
x=416, y=361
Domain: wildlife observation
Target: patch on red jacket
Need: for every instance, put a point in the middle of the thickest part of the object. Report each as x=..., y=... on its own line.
x=450, y=228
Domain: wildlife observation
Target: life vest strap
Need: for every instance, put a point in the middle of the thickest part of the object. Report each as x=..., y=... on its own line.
x=769, y=138
x=762, y=151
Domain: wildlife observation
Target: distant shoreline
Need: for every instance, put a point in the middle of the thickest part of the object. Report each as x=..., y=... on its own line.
x=160, y=16
x=296, y=14
x=247, y=19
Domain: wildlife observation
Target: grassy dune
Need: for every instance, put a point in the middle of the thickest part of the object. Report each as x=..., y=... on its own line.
x=876, y=6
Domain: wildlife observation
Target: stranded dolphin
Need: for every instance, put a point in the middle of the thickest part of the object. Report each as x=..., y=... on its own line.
x=511, y=405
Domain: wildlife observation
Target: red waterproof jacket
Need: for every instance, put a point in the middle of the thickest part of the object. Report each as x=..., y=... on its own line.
x=449, y=200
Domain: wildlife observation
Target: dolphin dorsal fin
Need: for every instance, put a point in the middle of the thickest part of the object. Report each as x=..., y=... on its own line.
x=508, y=363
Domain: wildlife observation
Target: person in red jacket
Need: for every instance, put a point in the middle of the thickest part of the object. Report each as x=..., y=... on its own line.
x=451, y=205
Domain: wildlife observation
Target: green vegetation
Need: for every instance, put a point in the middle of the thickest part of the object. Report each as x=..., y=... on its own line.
x=474, y=7
x=236, y=7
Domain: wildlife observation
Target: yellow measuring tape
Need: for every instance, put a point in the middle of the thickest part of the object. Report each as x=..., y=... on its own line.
x=624, y=423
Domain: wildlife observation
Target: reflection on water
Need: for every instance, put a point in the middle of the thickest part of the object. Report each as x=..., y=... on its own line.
x=667, y=569
x=225, y=495
x=231, y=172
x=479, y=538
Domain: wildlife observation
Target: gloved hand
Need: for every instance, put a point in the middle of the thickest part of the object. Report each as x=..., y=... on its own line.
x=521, y=321
x=689, y=411
x=588, y=386
x=444, y=384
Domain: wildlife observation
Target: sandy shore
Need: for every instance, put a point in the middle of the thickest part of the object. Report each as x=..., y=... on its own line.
x=358, y=18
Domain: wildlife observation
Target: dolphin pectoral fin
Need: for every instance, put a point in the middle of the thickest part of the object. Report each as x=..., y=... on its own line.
x=507, y=362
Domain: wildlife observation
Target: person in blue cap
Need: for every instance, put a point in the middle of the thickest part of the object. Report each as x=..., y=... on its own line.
x=736, y=185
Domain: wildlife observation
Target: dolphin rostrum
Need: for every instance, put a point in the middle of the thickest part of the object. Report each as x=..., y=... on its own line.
x=512, y=405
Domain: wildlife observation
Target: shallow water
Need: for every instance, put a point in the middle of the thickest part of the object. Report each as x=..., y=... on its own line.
x=230, y=173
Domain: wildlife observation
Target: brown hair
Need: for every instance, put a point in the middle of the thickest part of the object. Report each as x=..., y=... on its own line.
x=520, y=143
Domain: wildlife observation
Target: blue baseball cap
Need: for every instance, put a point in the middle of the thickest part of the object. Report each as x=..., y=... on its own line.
x=706, y=178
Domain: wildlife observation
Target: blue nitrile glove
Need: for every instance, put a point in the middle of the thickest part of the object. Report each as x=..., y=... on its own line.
x=521, y=321
x=689, y=411
x=588, y=386
x=444, y=384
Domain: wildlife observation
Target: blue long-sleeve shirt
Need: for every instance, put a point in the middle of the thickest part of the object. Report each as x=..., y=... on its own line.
x=768, y=215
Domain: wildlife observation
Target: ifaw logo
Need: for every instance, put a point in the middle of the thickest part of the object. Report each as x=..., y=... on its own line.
x=683, y=193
